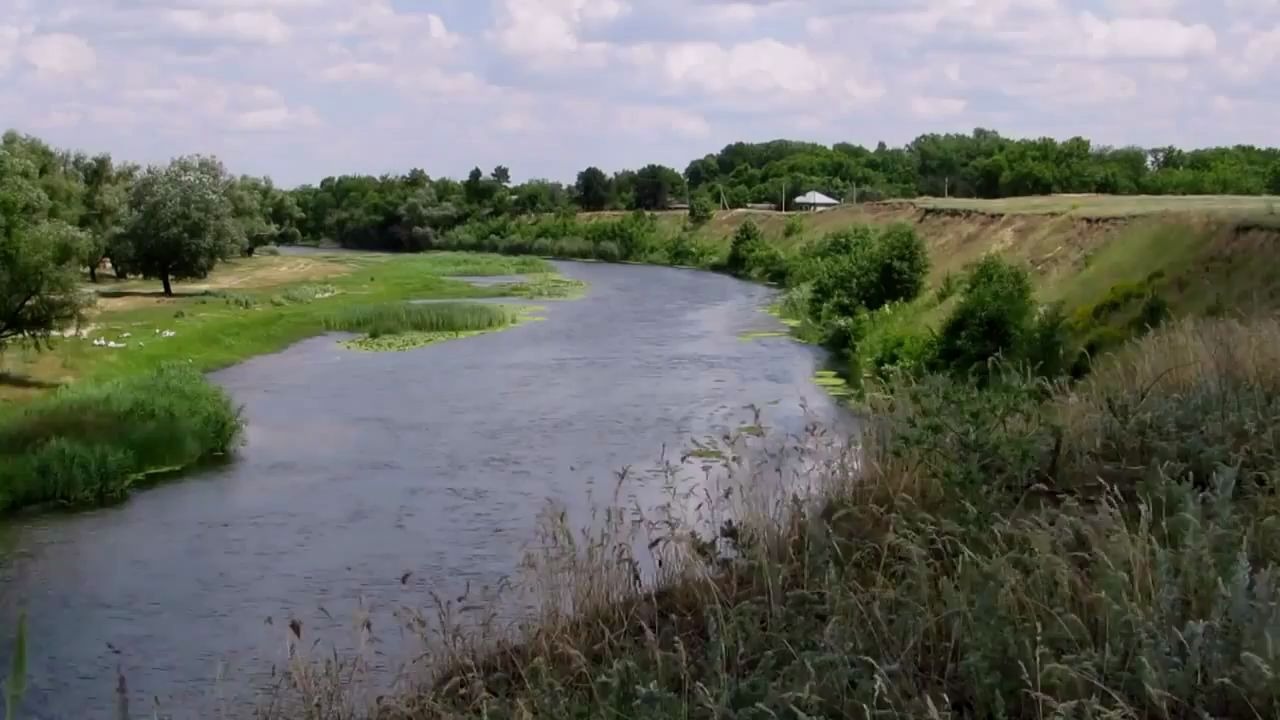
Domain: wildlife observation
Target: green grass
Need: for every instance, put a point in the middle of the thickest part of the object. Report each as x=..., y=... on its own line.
x=90, y=444
x=212, y=331
x=1111, y=205
x=396, y=318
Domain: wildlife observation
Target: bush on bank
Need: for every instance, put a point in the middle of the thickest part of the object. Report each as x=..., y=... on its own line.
x=90, y=443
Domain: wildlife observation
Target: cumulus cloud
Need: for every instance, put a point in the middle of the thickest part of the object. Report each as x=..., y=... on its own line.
x=549, y=86
x=239, y=25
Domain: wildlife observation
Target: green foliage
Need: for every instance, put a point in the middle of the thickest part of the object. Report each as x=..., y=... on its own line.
x=702, y=210
x=392, y=319
x=992, y=318
x=794, y=227
x=88, y=444
x=39, y=257
x=182, y=222
x=893, y=340
x=865, y=269
x=592, y=191
x=751, y=256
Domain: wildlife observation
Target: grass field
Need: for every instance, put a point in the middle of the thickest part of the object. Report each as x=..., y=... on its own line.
x=1112, y=205
x=246, y=307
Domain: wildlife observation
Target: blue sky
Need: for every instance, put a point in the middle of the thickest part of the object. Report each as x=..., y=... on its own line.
x=300, y=89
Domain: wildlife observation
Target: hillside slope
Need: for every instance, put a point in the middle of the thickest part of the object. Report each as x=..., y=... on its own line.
x=1200, y=256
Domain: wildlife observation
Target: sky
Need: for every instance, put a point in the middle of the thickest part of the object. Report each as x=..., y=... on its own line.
x=302, y=89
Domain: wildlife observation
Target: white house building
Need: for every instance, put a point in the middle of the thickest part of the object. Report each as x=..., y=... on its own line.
x=814, y=200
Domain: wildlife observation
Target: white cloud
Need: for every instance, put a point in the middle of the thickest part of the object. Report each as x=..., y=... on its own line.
x=764, y=71
x=545, y=31
x=60, y=54
x=933, y=108
x=277, y=117
x=241, y=25
x=1146, y=38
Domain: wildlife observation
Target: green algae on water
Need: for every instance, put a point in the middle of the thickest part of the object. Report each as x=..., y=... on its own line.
x=830, y=381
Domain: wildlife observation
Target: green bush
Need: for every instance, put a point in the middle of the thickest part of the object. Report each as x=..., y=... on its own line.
x=992, y=319
x=88, y=444
x=864, y=269
x=608, y=251
x=794, y=227
x=702, y=210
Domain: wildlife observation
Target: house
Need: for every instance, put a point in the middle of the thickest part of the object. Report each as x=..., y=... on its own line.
x=814, y=200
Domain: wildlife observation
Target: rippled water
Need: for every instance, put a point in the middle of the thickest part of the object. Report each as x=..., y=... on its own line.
x=360, y=467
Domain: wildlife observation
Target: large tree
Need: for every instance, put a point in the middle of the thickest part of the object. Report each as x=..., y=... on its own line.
x=654, y=186
x=592, y=189
x=182, y=221
x=106, y=200
x=39, y=258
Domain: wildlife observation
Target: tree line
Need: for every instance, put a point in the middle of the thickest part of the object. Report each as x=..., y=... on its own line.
x=65, y=212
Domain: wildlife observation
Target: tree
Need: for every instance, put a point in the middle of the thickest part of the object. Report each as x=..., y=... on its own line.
x=106, y=199
x=181, y=222
x=653, y=187
x=39, y=259
x=501, y=175
x=592, y=190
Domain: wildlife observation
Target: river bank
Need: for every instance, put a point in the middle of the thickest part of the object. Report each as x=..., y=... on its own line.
x=122, y=399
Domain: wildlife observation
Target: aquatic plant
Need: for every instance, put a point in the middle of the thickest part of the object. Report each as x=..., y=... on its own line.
x=395, y=318
x=89, y=443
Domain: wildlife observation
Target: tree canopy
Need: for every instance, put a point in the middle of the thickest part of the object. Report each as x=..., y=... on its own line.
x=182, y=221
x=39, y=257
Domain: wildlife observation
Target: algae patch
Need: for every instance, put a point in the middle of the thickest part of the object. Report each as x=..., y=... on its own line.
x=830, y=381
x=548, y=286
x=761, y=334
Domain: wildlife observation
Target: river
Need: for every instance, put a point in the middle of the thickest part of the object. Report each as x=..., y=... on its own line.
x=361, y=467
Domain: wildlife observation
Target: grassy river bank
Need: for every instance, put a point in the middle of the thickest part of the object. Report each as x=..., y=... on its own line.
x=1006, y=539
x=122, y=400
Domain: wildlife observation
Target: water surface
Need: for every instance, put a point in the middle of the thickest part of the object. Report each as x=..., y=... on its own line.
x=360, y=467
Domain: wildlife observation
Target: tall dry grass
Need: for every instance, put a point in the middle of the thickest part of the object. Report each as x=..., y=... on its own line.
x=972, y=555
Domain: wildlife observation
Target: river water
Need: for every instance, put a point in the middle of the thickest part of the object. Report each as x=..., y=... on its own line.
x=361, y=467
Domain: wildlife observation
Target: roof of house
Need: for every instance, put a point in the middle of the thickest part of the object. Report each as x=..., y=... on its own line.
x=815, y=198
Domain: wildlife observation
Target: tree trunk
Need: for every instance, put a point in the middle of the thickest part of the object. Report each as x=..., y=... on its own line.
x=93, y=273
x=168, y=289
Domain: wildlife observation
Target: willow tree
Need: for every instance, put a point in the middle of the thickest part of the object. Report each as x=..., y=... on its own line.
x=39, y=259
x=182, y=221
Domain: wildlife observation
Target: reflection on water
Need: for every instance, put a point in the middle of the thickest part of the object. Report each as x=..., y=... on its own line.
x=360, y=467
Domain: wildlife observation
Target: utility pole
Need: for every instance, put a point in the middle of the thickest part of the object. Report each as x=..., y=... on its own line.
x=946, y=187
x=784, y=196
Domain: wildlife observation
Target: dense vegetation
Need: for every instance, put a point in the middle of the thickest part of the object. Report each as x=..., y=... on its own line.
x=1021, y=550
x=89, y=444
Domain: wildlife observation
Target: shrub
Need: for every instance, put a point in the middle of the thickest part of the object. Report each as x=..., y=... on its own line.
x=794, y=227
x=747, y=245
x=608, y=251
x=702, y=210
x=865, y=269
x=992, y=318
